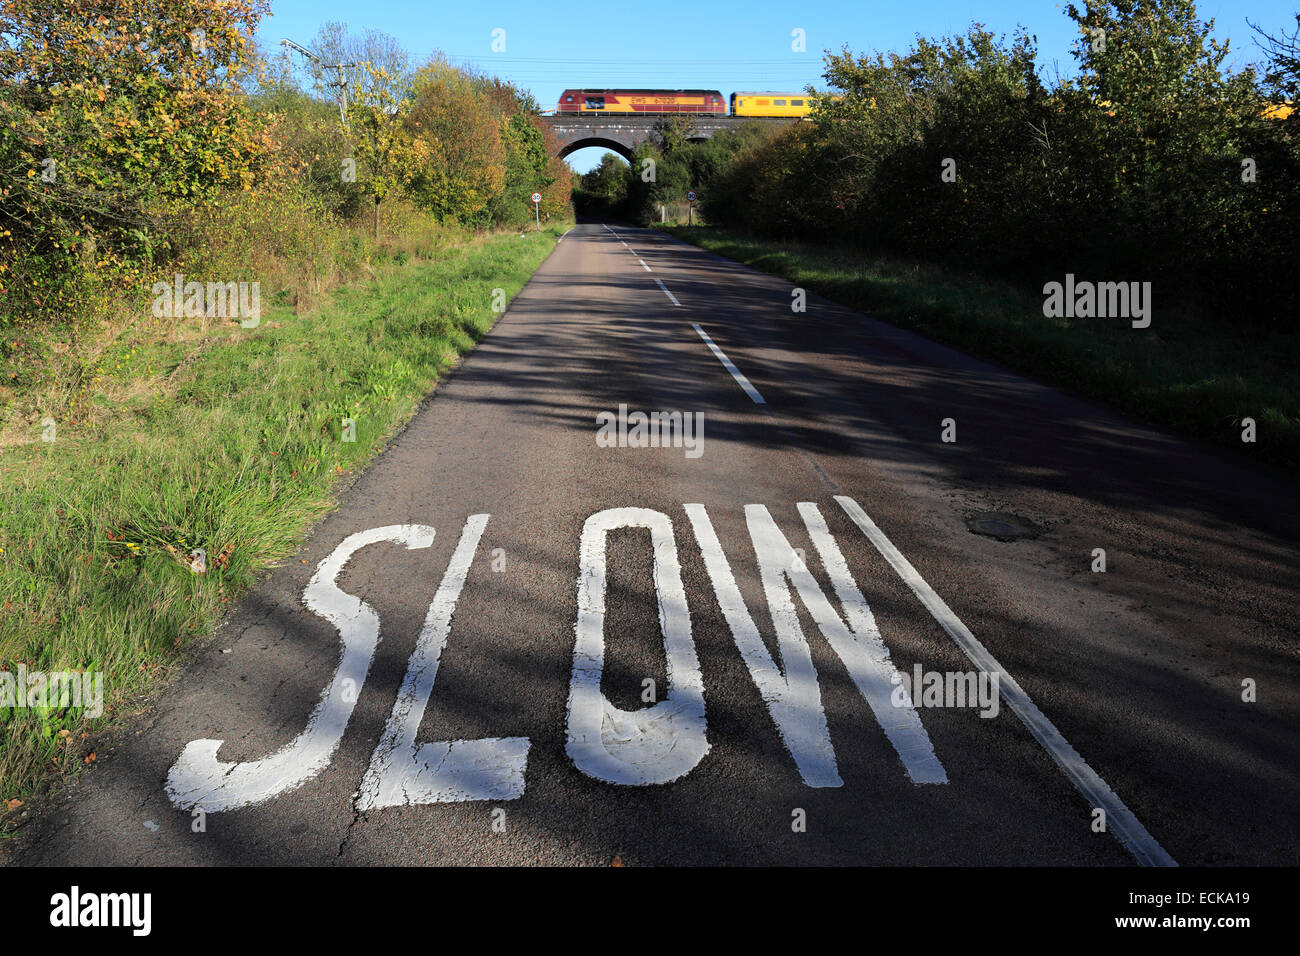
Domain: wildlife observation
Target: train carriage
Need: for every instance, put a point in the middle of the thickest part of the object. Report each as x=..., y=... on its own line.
x=770, y=104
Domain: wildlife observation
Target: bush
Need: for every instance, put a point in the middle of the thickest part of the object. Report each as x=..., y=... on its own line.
x=112, y=117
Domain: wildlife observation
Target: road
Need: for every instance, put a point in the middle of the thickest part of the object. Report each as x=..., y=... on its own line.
x=688, y=655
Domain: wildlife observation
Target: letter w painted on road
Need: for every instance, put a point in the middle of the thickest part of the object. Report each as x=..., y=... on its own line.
x=793, y=697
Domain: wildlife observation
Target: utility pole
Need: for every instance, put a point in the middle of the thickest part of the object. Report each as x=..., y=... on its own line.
x=340, y=83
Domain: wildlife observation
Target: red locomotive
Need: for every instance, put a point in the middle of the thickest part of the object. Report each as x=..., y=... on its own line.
x=642, y=101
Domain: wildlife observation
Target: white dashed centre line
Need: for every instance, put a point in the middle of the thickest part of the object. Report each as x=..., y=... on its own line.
x=750, y=390
x=647, y=269
x=666, y=292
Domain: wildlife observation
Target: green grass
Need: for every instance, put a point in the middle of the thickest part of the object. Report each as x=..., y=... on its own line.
x=1193, y=374
x=231, y=443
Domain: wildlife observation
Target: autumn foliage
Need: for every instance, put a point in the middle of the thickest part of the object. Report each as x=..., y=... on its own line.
x=139, y=137
x=112, y=117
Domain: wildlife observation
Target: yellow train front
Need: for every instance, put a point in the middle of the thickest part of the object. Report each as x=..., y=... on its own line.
x=770, y=104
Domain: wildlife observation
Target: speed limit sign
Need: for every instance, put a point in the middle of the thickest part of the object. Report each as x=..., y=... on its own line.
x=690, y=196
x=537, y=197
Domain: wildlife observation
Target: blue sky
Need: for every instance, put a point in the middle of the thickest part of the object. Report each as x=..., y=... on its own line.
x=726, y=45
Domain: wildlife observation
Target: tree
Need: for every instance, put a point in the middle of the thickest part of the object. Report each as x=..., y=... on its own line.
x=1283, y=74
x=373, y=57
x=607, y=181
x=112, y=116
x=460, y=153
x=1161, y=97
x=385, y=151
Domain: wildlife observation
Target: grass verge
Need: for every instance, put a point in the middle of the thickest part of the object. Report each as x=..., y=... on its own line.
x=1192, y=373
x=230, y=441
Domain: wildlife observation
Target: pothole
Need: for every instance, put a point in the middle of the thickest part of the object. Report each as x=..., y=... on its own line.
x=1002, y=526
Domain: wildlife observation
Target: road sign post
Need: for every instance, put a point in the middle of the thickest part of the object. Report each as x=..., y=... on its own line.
x=537, y=207
x=690, y=208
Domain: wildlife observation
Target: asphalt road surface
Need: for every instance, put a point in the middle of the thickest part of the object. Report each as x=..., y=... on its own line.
x=520, y=641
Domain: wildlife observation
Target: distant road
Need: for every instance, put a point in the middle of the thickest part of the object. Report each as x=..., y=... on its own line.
x=505, y=714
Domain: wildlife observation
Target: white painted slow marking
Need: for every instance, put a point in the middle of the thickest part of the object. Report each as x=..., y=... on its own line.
x=402, y=772
x=199, y=779
x=1119, y=818
x=661, y=285
x=750, y=390
x=659, y=743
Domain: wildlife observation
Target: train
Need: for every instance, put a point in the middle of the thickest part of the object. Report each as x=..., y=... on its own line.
x=661, y=102
x=711, y=102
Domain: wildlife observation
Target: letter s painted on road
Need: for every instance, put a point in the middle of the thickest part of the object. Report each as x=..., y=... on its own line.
x=199, y=779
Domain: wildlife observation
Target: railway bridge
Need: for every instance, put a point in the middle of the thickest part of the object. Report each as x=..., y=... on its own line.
x=624, y=133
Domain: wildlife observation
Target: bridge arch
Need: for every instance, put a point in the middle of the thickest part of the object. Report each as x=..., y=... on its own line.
x=613, y=145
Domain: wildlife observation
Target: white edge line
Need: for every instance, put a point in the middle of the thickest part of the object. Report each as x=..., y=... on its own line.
x=1119, y=817
x=647, y=269
x=750, y=390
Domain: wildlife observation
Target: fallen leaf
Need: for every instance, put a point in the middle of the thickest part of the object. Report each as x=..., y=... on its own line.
x=13, y=804
x=90, y=757
x=617, y=861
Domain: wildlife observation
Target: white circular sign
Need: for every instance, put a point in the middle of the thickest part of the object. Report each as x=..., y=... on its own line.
x=537, y=197
x=690, y=197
